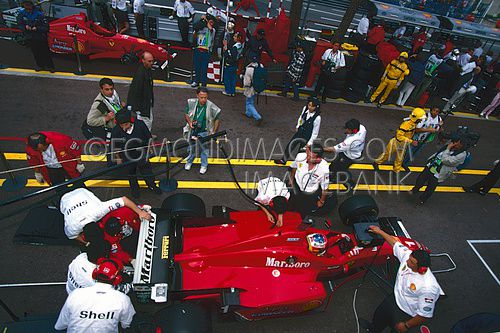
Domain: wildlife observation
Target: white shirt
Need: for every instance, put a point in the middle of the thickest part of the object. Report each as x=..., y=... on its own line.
x=81, y=207
x=316, y=124
x=183, y=9
x=428, y=122
x=478, y=51
x=463, y=59
x=50, y=158
x=353, y=145
x=80, y=273
x=215, y=12
x=363, y=25
x=119, y=4
x=309, y=180
x=336, y=57
x=399, y=32
x=468, y=67
x=415, y=294
x=139, y=6
x=97, y=309
x=269, y=188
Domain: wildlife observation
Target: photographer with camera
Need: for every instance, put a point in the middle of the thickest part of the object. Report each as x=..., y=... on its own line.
x=202, y=118
x=441, y=165
x=331, y=61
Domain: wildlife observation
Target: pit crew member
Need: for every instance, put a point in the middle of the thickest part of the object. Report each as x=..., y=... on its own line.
x=309, y=179
x=272, y=194
x=394, y=74
x=54, y=156
x=98, y=308
x=348, y=150
x=398, y=144
x=81, y=268
x=81, y=207
x=415, y=292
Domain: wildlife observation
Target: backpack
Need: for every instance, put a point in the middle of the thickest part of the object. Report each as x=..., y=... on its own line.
x=259, y=81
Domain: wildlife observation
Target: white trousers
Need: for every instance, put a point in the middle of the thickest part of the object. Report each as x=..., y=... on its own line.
x=405, y=92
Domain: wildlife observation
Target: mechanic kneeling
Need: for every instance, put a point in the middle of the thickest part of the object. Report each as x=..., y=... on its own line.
x=272, y=197
x=309, y=180
x=98, y=308
x=415, y=291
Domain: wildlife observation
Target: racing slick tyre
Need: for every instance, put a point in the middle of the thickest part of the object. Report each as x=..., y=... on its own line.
x=356, y=207
x=185, y=317
x=184, y=205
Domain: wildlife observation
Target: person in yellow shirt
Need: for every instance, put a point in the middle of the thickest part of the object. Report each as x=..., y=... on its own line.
x=394, y=74
x=401, y=141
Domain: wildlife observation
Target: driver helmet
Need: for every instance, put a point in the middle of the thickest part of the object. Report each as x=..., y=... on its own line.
x=417, y=114
x=316, y=243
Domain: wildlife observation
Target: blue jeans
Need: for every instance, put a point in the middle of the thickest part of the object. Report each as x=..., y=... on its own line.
x=193, y=145
x=412, y=152
x=286, y=86
x=250, y=108
x=230, y=79
x=200, y=66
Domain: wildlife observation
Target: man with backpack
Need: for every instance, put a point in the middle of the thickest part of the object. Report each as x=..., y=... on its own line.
x=254, y=82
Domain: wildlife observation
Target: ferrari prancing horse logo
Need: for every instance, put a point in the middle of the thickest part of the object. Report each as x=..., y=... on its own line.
x=111, y=43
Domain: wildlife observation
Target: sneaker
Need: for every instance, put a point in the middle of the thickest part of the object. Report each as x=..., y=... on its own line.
x=225, y=93
x=203, y=170
x=188, y=166
x=194, y=84
x=486, y=117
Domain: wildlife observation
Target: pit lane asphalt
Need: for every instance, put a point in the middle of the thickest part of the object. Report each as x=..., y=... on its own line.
x=445, y=224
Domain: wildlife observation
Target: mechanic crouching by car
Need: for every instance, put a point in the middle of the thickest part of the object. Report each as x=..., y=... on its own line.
x=101, y=117
x=98, y=308
x=54, y=156
x=416, y=291
x=272, y=197
x=81, y=207
x=309, y=180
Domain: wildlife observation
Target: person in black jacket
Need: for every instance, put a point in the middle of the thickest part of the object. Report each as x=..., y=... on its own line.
x=140, y=95
x=130, y=142
x=257, y=44
x=35, y=27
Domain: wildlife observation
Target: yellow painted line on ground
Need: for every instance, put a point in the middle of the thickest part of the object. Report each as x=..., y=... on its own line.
x=193, y=184
x=245, y=162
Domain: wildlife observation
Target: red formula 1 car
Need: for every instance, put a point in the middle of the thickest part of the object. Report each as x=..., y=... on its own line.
x=242, y=265
x=96, y=42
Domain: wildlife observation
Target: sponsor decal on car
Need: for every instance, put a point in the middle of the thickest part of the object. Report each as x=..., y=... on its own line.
x=62, y=47
x=272, y=262
x=111, y=43
x=75, y=30
x=165, y=244
x=147, y=264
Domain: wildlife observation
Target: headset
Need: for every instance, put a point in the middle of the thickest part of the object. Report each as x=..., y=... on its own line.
x=108, y=270
x=35, y=139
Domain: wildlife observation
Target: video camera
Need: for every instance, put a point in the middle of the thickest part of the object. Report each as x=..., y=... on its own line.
x=463, y=134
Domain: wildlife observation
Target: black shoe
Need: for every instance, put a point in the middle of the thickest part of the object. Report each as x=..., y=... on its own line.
x=483, y=193
x=135, y=192
x=379, y=105
x=259, y=122
x=365, y=324
x=375, y=166
x=468, y=189
x=281, y=162
x=405, y=168
x=52, y=69
x=155, y=189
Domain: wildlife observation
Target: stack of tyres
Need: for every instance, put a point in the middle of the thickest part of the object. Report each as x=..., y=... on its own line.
x=337, y=83
x=366, y=71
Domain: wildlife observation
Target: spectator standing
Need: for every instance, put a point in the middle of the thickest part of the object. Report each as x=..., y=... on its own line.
x=98, y=308
x=416, y=290
x=249, y=79
x=493, y=105
x=204, y=42
x=467, y=87
x=448, y=46
x=232, y=53
x=424, y=133
x=394, y=73
x=131, y=142
x=375, y=36
x=478, y=51
x=362, y=29
x=440, y=167
x=121, y=14
x=257, y=44
x=464, y=58
x=415, y=78
x=140, y=94
x=332, y=61
x=35, y=27
x=484, y=185
x=293, y=74
x=430, y=73
x=403, y=138
x=184, y=12
x=55, y=157
x=307, y=129
x=419, y=40
x=101, y=117
x=202, y=119
x=139, y=17
x=400, y=31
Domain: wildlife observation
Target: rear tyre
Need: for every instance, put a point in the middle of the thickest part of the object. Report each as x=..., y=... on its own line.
x=184, y=317
x=356, y=207
x=184, y=205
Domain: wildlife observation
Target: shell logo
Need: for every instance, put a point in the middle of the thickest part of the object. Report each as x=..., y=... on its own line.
x=81, y=47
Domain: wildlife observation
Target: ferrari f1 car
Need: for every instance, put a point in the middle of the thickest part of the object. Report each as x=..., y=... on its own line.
x=96, y=42
x=240, y=264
